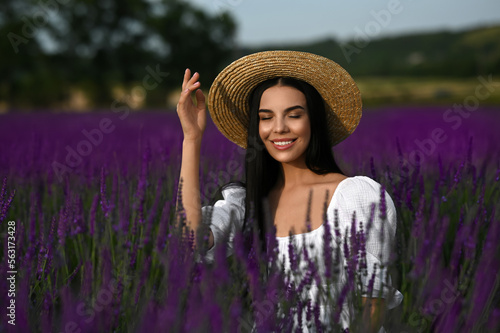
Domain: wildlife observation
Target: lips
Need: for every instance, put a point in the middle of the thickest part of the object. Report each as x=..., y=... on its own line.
x=279, y=143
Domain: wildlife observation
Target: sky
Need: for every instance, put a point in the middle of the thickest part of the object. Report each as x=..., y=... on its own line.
x=263, y=22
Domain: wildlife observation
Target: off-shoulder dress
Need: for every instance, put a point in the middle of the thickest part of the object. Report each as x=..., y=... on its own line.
x=353, y=194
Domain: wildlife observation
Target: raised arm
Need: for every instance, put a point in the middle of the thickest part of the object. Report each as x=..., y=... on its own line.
x=193, y=120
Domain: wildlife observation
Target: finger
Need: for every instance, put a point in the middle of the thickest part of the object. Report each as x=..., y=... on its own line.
x=192, y=87
x=194, y=78
x=200, y=99
x=184, y=98
x=187, y=74
x=185, y=94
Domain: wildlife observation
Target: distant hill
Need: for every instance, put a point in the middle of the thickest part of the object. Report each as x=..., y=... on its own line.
x=439, y=54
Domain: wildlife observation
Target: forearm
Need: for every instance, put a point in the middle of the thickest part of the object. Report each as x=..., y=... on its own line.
x=190, y=191
x=193, y=122
x=373, y=314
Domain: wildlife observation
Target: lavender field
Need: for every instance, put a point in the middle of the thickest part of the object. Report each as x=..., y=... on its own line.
x=87, y=224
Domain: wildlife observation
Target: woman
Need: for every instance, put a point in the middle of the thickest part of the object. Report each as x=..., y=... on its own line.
x=287, y=109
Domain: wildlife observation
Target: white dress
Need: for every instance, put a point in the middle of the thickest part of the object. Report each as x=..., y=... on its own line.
x=352, y=194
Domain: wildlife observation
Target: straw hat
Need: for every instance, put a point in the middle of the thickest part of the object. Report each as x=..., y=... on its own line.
x=229, y=94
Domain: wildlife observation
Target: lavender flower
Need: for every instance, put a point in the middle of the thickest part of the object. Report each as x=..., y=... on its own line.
x=93, y=215
x=292, y=255
x=87, y=278
x=382, y=204
x=153, y=211
x=437, y=243
x=372, y=168
x=142, y=281
x=62, y=226
x=3, y=191
x=104, y=201
x=163, y=228
x=317, y=321
x=5, y=205
x=369, y=290
x=362, y=249
x=327, y=242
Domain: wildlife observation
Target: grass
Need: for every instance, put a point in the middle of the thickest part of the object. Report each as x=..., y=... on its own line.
x=421, y=91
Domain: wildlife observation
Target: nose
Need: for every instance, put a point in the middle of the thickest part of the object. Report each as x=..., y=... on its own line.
x=280, y=125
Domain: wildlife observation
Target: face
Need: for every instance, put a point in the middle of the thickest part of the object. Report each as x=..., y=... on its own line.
x=284, y=125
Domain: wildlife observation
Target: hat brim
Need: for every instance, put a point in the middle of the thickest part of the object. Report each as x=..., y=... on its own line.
x=228, y=98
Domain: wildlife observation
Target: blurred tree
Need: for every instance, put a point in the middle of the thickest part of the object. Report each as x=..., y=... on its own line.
x=50, y=47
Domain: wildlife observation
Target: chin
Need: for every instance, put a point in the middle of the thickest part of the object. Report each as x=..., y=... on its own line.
x=285, y=159
x=283, y=156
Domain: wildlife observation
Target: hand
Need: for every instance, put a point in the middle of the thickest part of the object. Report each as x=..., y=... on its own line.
x=193, y=117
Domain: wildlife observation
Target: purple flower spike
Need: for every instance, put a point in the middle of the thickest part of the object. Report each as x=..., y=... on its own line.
x=3, y=191
x=292, y=255
x=142, y=281
x=416, y=227
x=317, y=321
x=153, y=211
x=124, y=209
x=133, y=256
x=163, y=229
x=62, y=226
x=353, y=244
x=308, y=310
x=382, y=204
x=5, y=205
x=105, y=206
x=372, y=168
x=300, y=310
x=106, y=265
x=362, y=249
x=371, y=283
x=73, y=274
x=328, y=251
x=88, y=277
x=93, y=210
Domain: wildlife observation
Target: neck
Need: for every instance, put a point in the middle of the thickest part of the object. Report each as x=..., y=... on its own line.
x=295, y=174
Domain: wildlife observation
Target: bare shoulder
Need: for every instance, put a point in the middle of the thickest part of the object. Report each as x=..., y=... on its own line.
x=329, y=183
x=332, y=179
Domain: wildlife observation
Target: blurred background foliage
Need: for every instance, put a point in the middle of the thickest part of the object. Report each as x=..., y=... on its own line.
x=99, y=47
x=89, y=54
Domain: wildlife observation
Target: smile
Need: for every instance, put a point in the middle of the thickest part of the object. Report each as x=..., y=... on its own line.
x=283, y=144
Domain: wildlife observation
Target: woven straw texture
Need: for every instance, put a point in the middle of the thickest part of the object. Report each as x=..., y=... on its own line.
x=230, y=91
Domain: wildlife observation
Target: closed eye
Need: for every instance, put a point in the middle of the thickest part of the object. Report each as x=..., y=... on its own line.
x=294, y=116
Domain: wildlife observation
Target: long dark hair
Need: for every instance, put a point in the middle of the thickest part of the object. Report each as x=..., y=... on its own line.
x=262, y=170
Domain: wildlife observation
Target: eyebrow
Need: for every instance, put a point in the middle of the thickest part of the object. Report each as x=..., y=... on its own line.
x=291, y=108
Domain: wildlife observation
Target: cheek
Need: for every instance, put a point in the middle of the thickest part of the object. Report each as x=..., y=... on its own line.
x=303, y=129
x=263, y=131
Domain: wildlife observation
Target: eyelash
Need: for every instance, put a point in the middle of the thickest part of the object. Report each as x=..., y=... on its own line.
x=295, y=117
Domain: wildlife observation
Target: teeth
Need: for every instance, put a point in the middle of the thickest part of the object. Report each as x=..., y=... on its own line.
x=283, y=143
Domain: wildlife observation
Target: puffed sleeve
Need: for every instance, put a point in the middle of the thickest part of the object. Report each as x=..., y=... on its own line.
x=224, y=218
x=359, y=194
